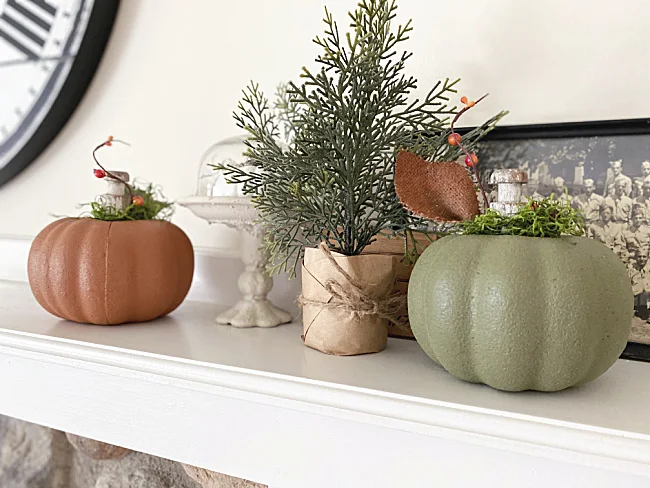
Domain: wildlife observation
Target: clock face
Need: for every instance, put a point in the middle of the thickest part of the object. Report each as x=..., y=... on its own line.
x=49, y=50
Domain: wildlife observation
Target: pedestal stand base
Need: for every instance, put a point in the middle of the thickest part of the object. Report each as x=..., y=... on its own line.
x=254, y=310
x=254, y=313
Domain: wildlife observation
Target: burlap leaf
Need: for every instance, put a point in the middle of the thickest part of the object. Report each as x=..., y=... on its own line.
x=442, y=191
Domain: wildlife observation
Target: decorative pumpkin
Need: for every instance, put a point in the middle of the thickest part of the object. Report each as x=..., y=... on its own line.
x=521, y=313
x=101, y=272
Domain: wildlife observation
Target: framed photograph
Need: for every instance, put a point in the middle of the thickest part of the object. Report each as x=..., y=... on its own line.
x=601, y=168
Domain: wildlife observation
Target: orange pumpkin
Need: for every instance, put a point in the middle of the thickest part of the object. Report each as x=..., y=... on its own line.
x=97, y=272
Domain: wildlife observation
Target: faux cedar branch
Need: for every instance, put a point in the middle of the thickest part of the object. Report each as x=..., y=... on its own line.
x=335, y=180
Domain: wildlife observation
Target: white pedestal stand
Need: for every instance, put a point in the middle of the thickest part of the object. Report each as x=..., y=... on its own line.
x=254, y=309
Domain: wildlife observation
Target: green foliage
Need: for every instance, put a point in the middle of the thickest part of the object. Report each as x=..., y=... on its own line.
x=348, y=119
x=412, y=247
x=286, y=111
x=154, y=207
x=537, y=218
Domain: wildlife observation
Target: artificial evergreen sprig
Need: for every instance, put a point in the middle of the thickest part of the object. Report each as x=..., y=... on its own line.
x=334, y=181
x=286, y=110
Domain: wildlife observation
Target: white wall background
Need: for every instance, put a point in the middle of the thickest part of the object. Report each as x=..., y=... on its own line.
x=174, y=69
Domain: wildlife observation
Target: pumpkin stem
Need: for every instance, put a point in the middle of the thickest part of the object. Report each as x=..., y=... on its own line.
x=109, y=142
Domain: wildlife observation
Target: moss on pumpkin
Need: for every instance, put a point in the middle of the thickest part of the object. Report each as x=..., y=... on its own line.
x=151, y=207
x=536, y=218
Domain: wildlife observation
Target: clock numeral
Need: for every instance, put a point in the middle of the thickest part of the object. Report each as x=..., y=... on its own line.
x=28, y=30
x=45, y=6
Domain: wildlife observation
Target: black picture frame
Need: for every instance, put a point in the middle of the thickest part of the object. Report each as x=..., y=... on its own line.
x=621, y=127
x=569, y=130
x=82, y=71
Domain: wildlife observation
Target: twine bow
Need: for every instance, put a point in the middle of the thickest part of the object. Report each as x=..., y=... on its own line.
x=350, y=295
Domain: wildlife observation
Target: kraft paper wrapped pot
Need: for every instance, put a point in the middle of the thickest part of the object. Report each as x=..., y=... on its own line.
x=98, y=272
x=331, y=326
x=399, y=325
x=521, y=313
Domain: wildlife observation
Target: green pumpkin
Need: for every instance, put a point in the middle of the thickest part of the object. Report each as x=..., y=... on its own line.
x=521, y=313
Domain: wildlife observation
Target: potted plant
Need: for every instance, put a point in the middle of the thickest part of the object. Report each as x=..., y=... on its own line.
x=514, y=298
x=329, y=192
x=123, y=263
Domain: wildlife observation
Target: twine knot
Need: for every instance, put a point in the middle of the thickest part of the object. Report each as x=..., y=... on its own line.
x=351, y=295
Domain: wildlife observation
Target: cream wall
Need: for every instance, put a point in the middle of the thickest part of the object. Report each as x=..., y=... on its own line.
x=174, y=69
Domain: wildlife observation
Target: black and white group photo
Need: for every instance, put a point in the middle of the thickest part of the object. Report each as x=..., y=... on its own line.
x=608, y=179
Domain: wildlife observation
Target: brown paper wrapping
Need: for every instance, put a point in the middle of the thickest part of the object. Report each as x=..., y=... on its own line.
x=340, y=331
x=400, y=326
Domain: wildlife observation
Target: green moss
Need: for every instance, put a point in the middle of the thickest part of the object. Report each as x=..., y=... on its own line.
x=154, y=207
x=537, y=218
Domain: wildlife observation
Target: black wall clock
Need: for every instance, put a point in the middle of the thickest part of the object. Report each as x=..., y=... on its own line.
x=49, y=52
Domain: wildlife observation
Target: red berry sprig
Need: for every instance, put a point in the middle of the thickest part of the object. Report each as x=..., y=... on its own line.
x=137, y=200
x=103, y=172
x=455, y=139
x=471, y=160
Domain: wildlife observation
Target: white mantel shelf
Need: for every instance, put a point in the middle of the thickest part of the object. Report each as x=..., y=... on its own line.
x=258, y=404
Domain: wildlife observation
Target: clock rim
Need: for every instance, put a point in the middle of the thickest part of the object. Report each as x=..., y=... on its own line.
x=84, y=66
